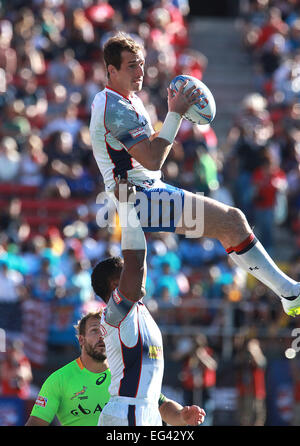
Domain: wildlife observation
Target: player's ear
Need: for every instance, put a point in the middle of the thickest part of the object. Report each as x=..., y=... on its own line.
x=114, y=283
x=111, y=69
x=80, y=340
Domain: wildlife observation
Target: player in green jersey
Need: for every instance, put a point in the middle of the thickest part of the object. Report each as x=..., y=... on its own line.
x=77, y=392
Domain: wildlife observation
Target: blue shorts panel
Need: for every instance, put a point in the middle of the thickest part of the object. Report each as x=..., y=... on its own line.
x=160, y=208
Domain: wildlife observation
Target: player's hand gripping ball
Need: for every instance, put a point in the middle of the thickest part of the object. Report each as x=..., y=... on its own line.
x=204, y=111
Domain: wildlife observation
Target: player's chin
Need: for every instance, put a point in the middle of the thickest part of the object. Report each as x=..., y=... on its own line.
x=137, y=85
x=99, y=349
x=99, y=355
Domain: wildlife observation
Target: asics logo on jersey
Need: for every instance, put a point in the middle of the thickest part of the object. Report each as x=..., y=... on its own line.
x=101, y=379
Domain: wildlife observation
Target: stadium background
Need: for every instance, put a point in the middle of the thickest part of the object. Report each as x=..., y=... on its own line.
x=228, y=345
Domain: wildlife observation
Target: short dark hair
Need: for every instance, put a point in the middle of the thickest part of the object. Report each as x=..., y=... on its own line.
x=103, y=272
x=115, y=45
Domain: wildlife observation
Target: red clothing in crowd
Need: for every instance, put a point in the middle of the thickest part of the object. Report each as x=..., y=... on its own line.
x=188, y=373
x=252, y=382
x=12, y=382
x=266, y=184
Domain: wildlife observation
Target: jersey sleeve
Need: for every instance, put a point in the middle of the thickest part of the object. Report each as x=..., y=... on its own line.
x=117, y=308
x=48, y=400
x=124, y=124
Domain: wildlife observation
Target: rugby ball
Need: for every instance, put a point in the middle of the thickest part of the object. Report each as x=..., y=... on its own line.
x=204, y=111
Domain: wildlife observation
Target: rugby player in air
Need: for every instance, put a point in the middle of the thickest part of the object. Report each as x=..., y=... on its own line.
x=125, y=145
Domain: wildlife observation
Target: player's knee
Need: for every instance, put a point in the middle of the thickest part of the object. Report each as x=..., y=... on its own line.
x=236, y=218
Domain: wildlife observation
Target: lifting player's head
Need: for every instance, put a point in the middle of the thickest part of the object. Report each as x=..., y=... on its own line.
x=124, y=60
x=106, y=275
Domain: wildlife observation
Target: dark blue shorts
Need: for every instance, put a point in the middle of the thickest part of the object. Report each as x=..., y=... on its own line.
x=159, y=208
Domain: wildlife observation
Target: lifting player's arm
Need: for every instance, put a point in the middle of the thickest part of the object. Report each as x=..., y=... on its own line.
x=152, y=153
x=133, y=244
x=175, y=414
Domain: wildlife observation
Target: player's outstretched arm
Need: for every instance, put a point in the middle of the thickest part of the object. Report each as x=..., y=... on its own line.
x=133, y=244
x=175, y=414
x=153, y=153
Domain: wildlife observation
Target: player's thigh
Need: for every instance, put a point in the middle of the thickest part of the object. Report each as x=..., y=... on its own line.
x=202, y=216
x=206, y=217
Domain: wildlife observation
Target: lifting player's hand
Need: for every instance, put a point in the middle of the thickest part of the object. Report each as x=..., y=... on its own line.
x=124, y=190
x=192, y=415
x=181, y=101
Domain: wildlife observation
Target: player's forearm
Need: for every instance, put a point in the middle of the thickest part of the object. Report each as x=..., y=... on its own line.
x=159, y=150
x=178, y=104
x=170, y=412
x=162, y=144
x=131, y=281
x=132, y=237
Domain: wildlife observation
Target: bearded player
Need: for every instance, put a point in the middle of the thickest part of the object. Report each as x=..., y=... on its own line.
x=77, y=392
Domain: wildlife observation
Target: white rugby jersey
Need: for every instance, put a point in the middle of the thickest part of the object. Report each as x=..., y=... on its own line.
x=117, y=124
x=134, y=349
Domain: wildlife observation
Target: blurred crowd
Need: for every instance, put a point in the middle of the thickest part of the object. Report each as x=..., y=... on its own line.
x=265, y=138
x=50, y=69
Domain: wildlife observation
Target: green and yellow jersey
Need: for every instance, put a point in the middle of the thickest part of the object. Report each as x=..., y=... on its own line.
x=74, y=394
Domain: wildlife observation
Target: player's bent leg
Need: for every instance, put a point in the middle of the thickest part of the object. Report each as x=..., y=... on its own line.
x=229, y=225
x=205, y=217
